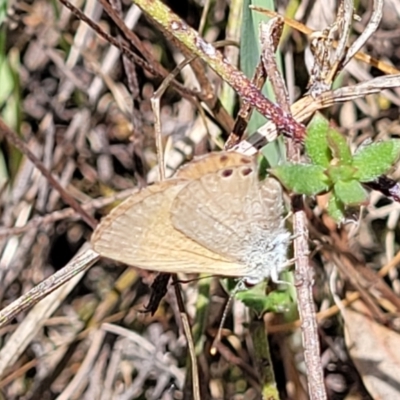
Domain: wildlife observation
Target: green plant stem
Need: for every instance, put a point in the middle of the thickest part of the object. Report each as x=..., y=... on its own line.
x=263, y=359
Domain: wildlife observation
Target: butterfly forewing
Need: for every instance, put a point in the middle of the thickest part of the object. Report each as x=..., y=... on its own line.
x=139, y=233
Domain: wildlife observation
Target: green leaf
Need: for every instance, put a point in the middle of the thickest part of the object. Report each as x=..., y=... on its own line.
x=350, y=193
x=341, y=173
x=305, y=179
x=335, y=208
x=316, y=143
x=339, y=148
x=376, y=159
x=3, y=10
x=256, y=299
x=6, y=79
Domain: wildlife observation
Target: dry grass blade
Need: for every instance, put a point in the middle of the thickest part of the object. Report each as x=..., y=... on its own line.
x=329, y=59
x=345, y=20
x=367, y=32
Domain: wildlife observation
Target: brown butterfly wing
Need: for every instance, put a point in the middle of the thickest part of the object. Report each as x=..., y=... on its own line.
x=139, y=233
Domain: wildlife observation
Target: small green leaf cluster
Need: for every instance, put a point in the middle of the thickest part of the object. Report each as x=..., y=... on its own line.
x=277, y=301
x=334, y=169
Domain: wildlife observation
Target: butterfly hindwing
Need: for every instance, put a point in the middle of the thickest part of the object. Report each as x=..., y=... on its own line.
x=223, y=209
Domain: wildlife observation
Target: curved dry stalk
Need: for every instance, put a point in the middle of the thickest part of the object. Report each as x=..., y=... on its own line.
x=368, y=31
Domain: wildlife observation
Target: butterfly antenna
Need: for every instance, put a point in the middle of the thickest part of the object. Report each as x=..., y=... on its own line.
x=213, y=350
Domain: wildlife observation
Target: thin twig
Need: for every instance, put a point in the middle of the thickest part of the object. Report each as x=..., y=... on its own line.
x=246, y=110
x=304, y=282
x=270, y=33
x=155, y=104
x=189, y=338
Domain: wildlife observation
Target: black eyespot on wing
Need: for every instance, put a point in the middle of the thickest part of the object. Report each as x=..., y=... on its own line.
x=246, y=171
x=227, y=172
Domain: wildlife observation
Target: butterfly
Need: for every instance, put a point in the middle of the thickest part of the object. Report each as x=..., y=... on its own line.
x=214, y=216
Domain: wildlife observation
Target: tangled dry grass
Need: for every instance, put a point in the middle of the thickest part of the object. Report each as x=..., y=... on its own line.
x=85, y=112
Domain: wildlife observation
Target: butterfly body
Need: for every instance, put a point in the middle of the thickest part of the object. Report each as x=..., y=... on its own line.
x=213, y=217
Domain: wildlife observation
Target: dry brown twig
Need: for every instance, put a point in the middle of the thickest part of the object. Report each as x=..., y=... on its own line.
x=303, y=270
